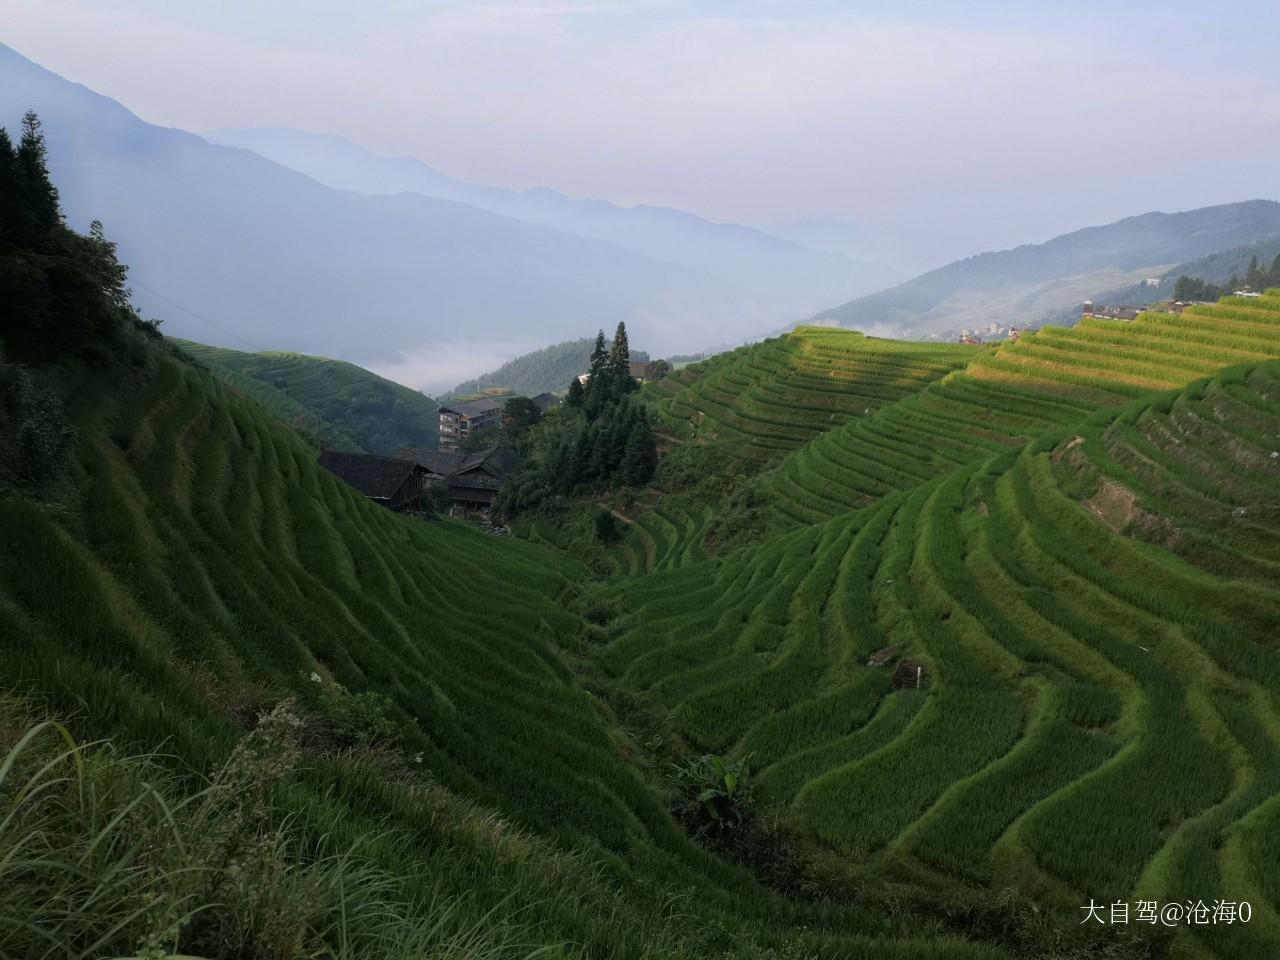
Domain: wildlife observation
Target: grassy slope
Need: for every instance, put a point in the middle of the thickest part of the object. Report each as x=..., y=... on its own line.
x=755, y=406
x=1086, y=565
x=345, y=406
x=201, y=540
x=1084, y=561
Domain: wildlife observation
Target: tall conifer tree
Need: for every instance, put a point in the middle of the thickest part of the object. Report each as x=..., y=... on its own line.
x=620, y=361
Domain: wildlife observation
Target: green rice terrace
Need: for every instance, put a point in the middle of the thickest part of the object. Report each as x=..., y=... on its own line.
x=344, y=406
x=992, y=639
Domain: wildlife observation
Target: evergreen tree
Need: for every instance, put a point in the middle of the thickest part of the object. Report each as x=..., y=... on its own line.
x=580, y=460
x=598, y=390
x=620, y=362
x=599, y=356
x=600, y=439
x=641, y=458
x=519, y=414
x=9, y=191
x=39, y=193
x=657, y=369
x=607, y=527
x=59, y=291
x=598, y=453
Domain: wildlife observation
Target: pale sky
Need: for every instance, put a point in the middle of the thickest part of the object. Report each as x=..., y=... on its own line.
x=998, y=122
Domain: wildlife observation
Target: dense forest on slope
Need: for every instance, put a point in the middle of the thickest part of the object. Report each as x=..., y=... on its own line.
x=344, y=406
x=598, y=438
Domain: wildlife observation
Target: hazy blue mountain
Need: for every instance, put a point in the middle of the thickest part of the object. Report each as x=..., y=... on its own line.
x=784, y=273
x=1214, y=268
x=232, y=249
x=907, y=255
x=1033, y=281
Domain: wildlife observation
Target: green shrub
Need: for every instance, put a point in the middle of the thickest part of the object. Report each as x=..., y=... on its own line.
x=712, y=794
x=354, y=719
x=606, y=527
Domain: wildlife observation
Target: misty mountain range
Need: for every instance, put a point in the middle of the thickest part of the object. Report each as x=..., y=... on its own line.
x=773, y=269
x=280, y=240
x=1035, y=281
x=230, y=248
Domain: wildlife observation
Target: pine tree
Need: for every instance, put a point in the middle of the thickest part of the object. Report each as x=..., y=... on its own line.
x=9, y=191
x=620, y=362
x=597, y=453
x=39, y=194
x=598, y=390
x=613, y=440
x=599, y=356
x=641, y=457
x=580, y=459
x=576, y=394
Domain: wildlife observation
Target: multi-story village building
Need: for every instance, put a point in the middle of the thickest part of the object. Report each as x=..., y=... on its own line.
x=459, y=420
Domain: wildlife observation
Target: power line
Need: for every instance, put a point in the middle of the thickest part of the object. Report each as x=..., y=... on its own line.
x=203, y=319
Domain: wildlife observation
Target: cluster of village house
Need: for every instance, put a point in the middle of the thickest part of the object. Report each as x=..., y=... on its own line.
x=991, y=330
x=1089, y=309
x=473, y=480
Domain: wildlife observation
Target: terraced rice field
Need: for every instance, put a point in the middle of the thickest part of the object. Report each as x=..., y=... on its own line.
x=1096, y=617
x=344, y=406
x=1005, y=397
x=766, y=400
x=203, y=552
x=1077, y=537
x=670, y=534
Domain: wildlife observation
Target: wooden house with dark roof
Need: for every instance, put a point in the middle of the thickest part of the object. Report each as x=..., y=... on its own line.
x=392, y=482
x=438, y=464
x=474, y=485
x=473, y=479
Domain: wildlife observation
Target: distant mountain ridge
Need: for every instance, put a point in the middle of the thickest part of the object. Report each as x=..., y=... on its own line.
x=1032, y=281
x=230, y=248
x=1213, y=268
x=765, y=264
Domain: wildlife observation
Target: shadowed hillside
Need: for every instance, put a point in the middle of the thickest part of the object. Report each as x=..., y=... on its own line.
x=343, y=406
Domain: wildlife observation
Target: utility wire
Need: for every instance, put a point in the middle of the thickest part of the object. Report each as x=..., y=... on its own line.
x=191, y=313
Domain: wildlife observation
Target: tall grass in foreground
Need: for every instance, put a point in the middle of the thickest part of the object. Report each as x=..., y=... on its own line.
x=103, y=855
